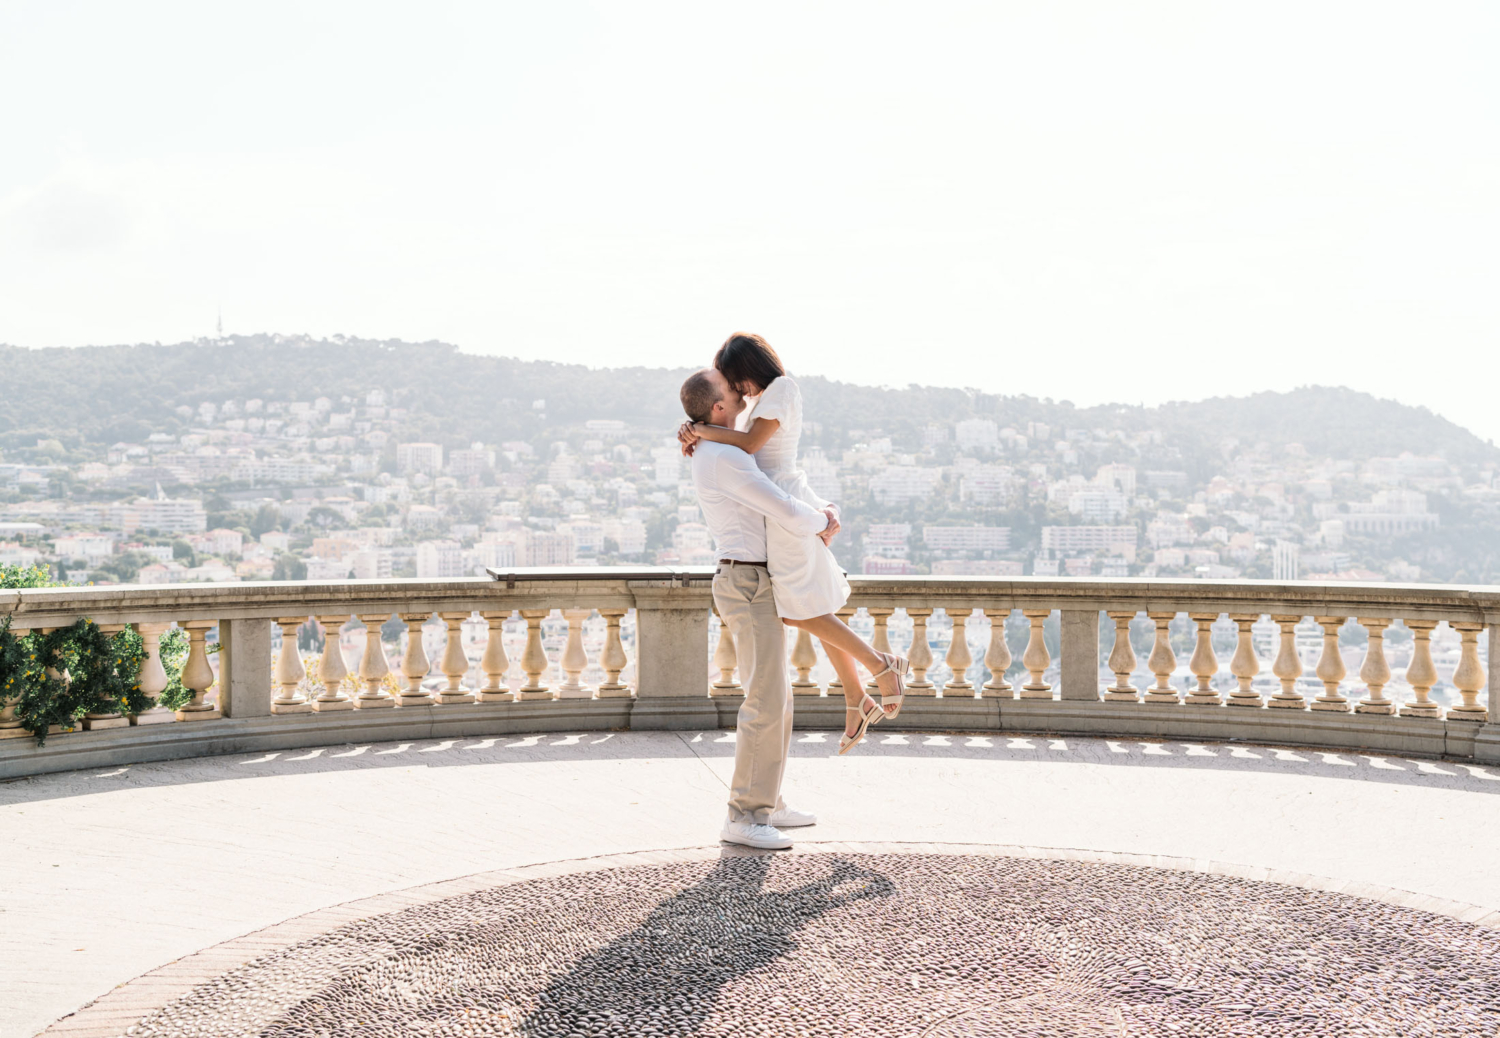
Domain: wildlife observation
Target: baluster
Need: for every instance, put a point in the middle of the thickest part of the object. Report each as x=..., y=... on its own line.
x=1330, y=669
x=997, y=657
x=1288, y=666
x=920, y=655
x=613, y=659
x=959, y=658
x=880, y=639
x=455, y=663
x=289, y=670
x=1421, y=675
x=835, y=685
x=95, y=721
x=153, y=674
x=725, y=660
x=1162, y=660
x=1036, y=659
x=494, y=663
x=331, y=668
x=804, y=659
x=1375, y=672
x=414, y=662
x=197, y=674
x=373, y=668
x=534, y=660
x=1245, y=665
x=1122, y=661
x=10, y=724
x=1468, y=678
x=574, y=660
x=1204, y=664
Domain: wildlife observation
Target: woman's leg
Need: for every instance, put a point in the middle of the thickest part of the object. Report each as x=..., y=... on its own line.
x=834, y=633
x=848, y=672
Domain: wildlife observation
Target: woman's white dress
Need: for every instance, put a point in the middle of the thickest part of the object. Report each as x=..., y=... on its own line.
x=806, y=579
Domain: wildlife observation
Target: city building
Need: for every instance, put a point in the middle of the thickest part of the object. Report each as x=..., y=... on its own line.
x=966, y=538
x=419, y=457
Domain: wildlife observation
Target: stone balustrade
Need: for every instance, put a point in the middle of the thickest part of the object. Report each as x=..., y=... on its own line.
x=606, y=648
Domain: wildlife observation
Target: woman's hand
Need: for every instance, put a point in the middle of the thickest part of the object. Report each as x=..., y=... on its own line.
x=832, y=529
x=688, y=438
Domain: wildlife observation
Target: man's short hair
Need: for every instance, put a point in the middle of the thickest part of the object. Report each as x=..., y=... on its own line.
x=699, y=394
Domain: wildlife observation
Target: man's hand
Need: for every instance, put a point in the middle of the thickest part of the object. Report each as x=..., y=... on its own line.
x=832, y=529
x=687, y=438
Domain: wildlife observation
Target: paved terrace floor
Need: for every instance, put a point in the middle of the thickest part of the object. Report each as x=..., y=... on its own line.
x=111, y=873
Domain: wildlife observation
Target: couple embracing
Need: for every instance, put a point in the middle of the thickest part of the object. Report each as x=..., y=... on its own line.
x=771, y=535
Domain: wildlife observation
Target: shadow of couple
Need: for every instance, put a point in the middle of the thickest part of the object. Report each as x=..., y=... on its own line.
x=665, y=976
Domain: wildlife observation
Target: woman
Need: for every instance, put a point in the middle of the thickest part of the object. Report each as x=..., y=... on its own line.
x=806, y=580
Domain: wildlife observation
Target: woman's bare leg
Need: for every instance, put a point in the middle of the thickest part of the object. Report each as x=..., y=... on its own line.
x=848, y=672
x=833, y=632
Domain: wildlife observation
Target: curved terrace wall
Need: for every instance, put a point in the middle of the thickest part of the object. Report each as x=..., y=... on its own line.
x=1060, y=629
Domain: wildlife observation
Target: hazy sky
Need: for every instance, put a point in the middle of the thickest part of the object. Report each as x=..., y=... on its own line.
x=1114, y=201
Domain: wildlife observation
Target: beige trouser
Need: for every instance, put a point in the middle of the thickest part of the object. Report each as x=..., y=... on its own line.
x=763, y=736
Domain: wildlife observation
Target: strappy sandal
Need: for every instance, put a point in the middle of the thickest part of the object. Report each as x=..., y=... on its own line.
x=866, y=718
x=900, y=666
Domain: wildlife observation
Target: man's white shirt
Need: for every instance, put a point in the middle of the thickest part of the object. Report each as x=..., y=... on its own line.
x=737, y=499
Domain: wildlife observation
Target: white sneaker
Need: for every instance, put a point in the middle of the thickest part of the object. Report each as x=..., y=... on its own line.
x=791, y=818
x=749, y=834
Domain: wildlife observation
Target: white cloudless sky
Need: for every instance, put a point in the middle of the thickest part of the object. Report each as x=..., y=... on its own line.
x=1096, y=202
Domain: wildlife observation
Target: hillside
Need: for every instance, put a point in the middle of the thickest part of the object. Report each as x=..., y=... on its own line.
x=101, y=394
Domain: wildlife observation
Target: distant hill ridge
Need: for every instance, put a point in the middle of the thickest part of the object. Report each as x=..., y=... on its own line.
x=100, y=394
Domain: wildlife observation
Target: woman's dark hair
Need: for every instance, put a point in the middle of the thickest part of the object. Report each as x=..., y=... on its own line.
x=747, y=358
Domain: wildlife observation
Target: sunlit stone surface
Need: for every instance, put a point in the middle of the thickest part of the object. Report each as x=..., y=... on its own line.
x=870, y=944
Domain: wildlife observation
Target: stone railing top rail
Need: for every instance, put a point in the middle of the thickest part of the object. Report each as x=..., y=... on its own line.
x=628, y=587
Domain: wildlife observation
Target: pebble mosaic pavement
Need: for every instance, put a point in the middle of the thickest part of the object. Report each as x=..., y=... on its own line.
x=856, y=944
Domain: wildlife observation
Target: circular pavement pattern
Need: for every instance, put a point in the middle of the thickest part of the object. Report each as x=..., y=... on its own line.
x=938, y=945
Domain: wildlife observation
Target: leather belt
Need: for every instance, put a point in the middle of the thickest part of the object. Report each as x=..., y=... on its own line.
x=740, y=562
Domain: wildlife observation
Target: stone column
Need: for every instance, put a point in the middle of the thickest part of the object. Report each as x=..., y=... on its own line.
x=1245, y=666
x=725, y=660
x=197, y=674
x=613, y=659
x=672, y=656
x=574, y=660
x=1331, y=669
x=373, y=668
x=1375, y=672
x=997, y=657
x=1204, y=664
x=154, y=675
x=804, y=659
x=289, y=670
x=1036, y=659
x=880, y=640
x=244, y=668
x=1468, y=678
x=494, y=662
x=1122, y=661
x=534, y=662
x=1421, y=675
x=1288, y=666
x=414, y=662
x=1079, y=667
x=455, y=663
x=331, y=667
x=959, y=658
x=920, y=655
x=1162, y=660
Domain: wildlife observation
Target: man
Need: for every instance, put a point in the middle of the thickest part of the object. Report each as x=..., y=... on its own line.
x=736, y=499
